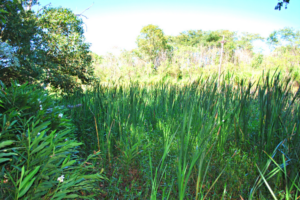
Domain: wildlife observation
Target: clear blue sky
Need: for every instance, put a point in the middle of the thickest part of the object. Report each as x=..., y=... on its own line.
x=115, y=24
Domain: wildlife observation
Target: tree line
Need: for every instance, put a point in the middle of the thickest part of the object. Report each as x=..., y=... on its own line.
x=152, y=42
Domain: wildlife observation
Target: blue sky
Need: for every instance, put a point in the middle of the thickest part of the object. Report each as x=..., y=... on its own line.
x=113, y=25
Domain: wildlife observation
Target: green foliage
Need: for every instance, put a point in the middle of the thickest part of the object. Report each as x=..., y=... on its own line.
x=41, y=147
x=257, y=60
x=68, y=56
x=152, y=42
x=287, y=37
x=187, y=140
x=49, y=45
x=246, y=39
x=20, y=31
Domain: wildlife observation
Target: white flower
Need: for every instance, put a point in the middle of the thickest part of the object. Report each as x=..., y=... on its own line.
x=39, y=100
x=41, y=108
x=61, y=178
x=60, y=115
x=45, y=94
x=18, y=85
x=223, y=120
x=39, y=133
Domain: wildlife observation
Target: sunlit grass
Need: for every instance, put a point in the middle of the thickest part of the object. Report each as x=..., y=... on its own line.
x=193, y=140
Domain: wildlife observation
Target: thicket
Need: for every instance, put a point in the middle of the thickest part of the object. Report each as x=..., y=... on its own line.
x=38, y=149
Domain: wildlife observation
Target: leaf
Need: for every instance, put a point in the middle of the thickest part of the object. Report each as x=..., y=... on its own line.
x=6, y=143
x=4, y=160
x=29, y=177
x=40, y=147
x=3, y=11
x=66, y=160
x=59, y=195
x=22, y=192
x=72, y=196
x=40, y=127
x=7, y=154
x=68, y=164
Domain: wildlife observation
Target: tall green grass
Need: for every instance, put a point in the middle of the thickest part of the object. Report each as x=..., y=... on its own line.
x=193, y=141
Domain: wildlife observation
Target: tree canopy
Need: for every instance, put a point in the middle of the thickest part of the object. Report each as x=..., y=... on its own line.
x=49, y=46
x=151, y=42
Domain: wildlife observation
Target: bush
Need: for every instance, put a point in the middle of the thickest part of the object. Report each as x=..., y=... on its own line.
x=257, y=60
x=40, y=160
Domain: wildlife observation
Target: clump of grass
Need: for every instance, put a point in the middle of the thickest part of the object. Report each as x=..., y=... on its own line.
x=193, y=140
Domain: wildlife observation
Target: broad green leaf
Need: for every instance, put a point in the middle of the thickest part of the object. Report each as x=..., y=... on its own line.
x=26, y=188
x=7, y=154
x=66, y=160
x=4, y=159
x=40, y=147
x=29, y=177
x=68, y=164
x=3, y=11
x=72, y=196
x=6, y=143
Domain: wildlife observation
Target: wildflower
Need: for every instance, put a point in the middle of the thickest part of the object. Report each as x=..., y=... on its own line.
x=45, y=94
x=61, y=178
x=18, y=85
x=19, y=114
x=39, y=133
x=41, y=108
x=66, y=139
x=60, y=115
x=223, y=120
x=41, y=105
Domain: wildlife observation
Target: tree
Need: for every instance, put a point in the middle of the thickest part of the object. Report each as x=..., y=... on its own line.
x=188, y=38
x=151, y=42
x=284, y=37
x=19, y=30
x=68, y=56
x=246, y=39
x=49, y=45
x=280, y=4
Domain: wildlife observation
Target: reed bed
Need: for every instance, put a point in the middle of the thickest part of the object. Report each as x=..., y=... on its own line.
x=193, y=141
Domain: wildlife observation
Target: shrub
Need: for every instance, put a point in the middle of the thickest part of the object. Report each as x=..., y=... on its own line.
x=257, y=60
x=41, y=148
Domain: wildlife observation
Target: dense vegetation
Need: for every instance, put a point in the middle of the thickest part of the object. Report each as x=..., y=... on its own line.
x=49, y=46
x=157, y=125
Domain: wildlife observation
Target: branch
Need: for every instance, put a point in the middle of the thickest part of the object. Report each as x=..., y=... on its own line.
x=49, y=4
x=84, y=11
